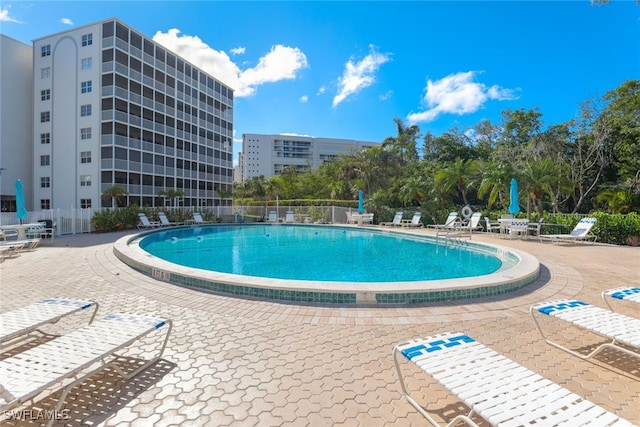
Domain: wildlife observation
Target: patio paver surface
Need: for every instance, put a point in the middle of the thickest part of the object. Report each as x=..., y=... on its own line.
x=240, y=362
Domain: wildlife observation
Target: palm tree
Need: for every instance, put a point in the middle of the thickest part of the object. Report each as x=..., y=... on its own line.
x=537, y=178
x=172, y=194
x=459, y=174
x=495, y=181
x=114, y=193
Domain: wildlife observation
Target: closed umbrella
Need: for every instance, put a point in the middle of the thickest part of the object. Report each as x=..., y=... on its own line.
x=360, y=201
x=21, y=210
x=514, y=207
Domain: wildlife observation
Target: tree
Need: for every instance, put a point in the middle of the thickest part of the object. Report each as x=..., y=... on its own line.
x=495, y=180
x=403, y=146
x=115, y=194
x=537, y=177
x=172, y=194
x=459, y=174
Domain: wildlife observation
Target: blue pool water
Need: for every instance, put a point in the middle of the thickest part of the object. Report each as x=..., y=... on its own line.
x=316, y=253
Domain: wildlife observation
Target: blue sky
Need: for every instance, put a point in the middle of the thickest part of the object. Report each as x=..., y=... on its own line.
x=347, y=69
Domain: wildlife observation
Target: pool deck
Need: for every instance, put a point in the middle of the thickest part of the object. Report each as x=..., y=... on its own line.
x=242, y=362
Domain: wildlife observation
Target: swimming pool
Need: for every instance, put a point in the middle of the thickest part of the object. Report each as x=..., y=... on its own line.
x=310, y=263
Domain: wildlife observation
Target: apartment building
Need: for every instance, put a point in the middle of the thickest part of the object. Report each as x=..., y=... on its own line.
x=113, y=108
x=16, y=89
x=269, y=155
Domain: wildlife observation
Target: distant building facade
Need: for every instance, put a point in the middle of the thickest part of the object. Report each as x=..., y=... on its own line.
x=16, y=128
x=268, y=155
x=112, y=107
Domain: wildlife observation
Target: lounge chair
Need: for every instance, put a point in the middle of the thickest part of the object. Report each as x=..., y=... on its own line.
x=68, y=360
x=145, y=223
x=495, y=387
x=19, y=324
x=22, y=245
x=492, y=226
x=450, y=222
x=164, y=221
x=473, y=224
x=624, y=293
x=198, y=219
x=620, y=329
x=289, y=217
x=273, y=216
x=414, y=221
x=581, y=232
x=397, y=220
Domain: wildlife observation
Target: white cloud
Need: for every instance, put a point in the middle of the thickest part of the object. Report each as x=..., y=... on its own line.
x=458, y=94
x=304, y=98
x=4, y=16
x=321, y=90
x=238, y=50
x=66, y=21
x=281, y=63
x=296, y=134
x=388, y=94
x=359, y=75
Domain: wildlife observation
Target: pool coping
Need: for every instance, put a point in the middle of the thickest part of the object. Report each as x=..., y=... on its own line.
x=526, y=270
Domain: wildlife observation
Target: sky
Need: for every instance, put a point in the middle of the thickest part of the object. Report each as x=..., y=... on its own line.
x=347, y=69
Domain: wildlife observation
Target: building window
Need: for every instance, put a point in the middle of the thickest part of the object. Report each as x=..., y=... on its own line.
x=45, y=204
x=45, y=95
x=45, y=72
x=45, y=182
x=85, y=133
x=45, y=50
x=87, y=63
x=45, y=138
x=45, y=160
x=85, y=87
x=85, y=157
x=87, y=39
x=85, y=110
x=85, y=203
x=45, y=116
x=85, y=180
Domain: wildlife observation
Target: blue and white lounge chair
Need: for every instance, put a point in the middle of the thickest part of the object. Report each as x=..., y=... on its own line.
x=20, y=324
x=77, y=356
x=624, y=293
x=581, y=232
x=494, y=387
x=618, y=328
x=397, y=220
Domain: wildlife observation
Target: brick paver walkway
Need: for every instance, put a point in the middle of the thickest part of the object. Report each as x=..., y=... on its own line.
x=242, y=362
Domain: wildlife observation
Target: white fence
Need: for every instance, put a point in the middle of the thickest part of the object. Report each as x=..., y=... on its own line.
x=75, y=221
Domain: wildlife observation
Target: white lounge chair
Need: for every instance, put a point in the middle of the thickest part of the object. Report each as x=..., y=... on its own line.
x=197, y=220
x=71, y=358
x=414, y=221
x=145, y=223
x=397, y=220
x=495, y=387
x=624, y=293
x=492, y=226
x=289, y=217
x=450, y=222
x=18, y=325
x=22, y=245
x=620, y=329
x=581, y=232
x=164, y=221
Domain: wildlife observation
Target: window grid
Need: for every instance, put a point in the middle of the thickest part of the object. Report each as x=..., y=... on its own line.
x=87, y=39
x=45, y=72
x=85, y=110
x=85, y=87
x=45, y=94
x=45, y=50
x=87, y=63
x=85, y=180
x=45, y=182
x=45, y=204
x=85, y=203
x=45, y=160
x=85, y=157
x=45, y=138
x=85, y=133
x=45, y=116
